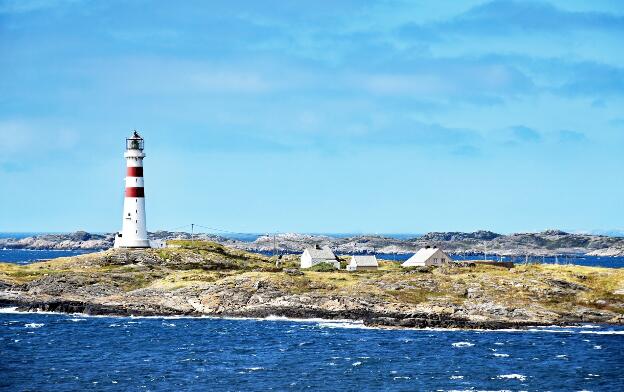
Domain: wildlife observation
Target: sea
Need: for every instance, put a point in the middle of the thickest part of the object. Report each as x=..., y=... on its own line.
x=57, y=352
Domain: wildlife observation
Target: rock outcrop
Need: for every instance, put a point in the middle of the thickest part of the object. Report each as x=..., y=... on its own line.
x=70, y=241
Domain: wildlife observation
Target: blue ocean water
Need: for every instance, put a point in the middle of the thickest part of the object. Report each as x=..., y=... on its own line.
x=588, y=261
x=53, y=352
x=26, y=256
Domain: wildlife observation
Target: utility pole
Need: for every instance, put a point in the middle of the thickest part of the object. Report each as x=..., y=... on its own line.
x=274, y=245
x=192, y=232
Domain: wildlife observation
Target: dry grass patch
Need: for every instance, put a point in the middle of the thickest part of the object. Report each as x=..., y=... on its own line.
x=179, y=279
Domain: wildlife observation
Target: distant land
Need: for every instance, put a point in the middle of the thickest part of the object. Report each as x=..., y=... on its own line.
x=546, y=243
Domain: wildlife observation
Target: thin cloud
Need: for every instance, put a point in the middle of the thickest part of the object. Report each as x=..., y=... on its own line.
x=523, y=134
x=590, y=78
x=529, y=16
x=567, y=136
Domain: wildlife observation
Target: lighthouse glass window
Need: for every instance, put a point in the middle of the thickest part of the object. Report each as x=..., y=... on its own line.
x=134, y=144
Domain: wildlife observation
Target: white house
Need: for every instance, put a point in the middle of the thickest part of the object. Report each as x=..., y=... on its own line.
x=427, y=256
x=315, y=255
x=359, y=263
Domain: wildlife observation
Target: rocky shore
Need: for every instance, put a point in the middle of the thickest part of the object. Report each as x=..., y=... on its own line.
x=547, y=243
x=208, y=279
x=69, y=241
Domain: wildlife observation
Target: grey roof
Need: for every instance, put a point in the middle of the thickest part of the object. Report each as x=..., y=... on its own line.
x=323, y=253
x=364, y=261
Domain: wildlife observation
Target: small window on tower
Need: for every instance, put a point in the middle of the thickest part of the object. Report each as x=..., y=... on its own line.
x=128, y=214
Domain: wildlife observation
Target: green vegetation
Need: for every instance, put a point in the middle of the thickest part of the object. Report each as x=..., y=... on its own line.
x=322, y=267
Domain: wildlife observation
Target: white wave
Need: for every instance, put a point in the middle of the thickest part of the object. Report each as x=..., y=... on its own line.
x=254, y=369
x=456, y=377
x=604, y=332
x=77, y=319
x=597, y=347
x=329, y=323
x=519, y=377
x=358, y=363
x=326, y=323
x=401, y=378
x=351, y=324
x=169, y=324
x=501, y=355
x=561, y=356
x=462, y=344
x=34, y=325
x=551, y=330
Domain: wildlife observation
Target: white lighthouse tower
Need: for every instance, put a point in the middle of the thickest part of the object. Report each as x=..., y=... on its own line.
x=134, y=232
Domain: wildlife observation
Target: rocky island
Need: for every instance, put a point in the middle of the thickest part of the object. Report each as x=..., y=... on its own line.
x=546, y=243
x=203, y=278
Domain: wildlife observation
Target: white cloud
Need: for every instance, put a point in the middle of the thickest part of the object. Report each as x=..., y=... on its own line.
x=23, y=138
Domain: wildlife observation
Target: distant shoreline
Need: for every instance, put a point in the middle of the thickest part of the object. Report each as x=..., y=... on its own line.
x=550, y=243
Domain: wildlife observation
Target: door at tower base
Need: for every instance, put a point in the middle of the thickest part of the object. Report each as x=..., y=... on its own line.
x=133, y=233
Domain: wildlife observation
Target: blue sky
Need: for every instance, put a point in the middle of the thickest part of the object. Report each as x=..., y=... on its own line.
x=330, y=116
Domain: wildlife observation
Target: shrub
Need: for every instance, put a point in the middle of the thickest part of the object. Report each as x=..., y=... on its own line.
x=323, y=267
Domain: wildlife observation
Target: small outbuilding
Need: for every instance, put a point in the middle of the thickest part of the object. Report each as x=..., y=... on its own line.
x=314, y=255
x=363, y=263
x=427, y=256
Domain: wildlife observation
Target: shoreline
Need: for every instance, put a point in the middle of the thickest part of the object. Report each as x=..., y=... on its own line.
x=574, y=328
x=379, y=322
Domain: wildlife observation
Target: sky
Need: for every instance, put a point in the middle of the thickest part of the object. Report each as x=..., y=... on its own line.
x=324, y=116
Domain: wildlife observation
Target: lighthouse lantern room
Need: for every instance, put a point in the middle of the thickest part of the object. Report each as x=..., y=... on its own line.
x=134, y=232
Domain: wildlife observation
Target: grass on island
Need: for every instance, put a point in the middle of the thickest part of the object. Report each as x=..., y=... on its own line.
x=190, y=264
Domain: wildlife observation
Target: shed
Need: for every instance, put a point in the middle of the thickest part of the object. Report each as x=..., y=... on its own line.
x=427, y=256
x=314, y=255
x=362, y=263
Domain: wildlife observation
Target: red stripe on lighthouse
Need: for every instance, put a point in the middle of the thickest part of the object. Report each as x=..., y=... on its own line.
x=135, y=192
x=135, y=172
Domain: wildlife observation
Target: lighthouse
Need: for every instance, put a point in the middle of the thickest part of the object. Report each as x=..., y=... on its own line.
x=134, y=232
